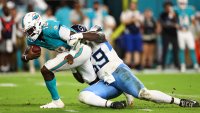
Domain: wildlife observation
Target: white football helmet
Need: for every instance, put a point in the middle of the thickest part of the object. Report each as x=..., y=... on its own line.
x=32, y=25
x=182, y=3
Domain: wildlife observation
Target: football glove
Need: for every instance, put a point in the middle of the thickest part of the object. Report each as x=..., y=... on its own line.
x=73, y=40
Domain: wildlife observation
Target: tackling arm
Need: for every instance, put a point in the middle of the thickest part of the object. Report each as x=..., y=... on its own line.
x=77, y=75
x=97, y=37
x=94, y=36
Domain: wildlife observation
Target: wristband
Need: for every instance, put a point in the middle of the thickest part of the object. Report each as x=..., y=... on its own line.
x=25, y=57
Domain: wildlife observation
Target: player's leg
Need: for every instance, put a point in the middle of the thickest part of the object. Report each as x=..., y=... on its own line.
x=191, y=45
x=100, y=91
x=175, y=51
x=98, y=95
x=145, y=54
x=82, y=55
x=126, y=81
x=160, y=97
x=157, y=96
x=48, y=74
x=129, y=49
x=165, y=46
x=129, y=83
x=181, y=42
x=137, y=48
x=58, y=64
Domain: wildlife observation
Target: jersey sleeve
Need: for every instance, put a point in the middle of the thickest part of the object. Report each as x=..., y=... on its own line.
x=64, y=33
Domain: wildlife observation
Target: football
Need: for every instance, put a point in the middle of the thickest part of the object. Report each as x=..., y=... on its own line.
x=35, y=49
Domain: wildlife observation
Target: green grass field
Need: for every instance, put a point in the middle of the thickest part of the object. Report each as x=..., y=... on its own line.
x=24, y=93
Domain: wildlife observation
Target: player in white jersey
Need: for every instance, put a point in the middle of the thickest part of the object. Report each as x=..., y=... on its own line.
x=114, y=73
x=186, y=18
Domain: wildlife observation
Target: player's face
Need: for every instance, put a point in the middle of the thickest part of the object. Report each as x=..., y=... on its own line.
x=182, y=4
x=168, y=8
x=133, y=6
x=148, y=14
x=30, y=31
x=96, y=6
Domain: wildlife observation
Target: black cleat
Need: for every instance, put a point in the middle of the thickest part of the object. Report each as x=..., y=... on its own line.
x=188, y=103
x=118, y=105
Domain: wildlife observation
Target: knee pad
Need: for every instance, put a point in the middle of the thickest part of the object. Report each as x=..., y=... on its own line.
x=144, y=94
x=84, y=96
x=47, y=74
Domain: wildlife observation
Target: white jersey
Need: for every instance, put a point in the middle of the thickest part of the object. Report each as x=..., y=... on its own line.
x=105, y=61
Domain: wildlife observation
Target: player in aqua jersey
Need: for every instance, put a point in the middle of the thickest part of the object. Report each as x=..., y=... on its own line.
x=114, y=73
x=186, y=17
x=54, y=36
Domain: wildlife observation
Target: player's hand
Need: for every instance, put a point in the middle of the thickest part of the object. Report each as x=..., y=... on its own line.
x=31, y=55
x=73, y=40
x=70, y=59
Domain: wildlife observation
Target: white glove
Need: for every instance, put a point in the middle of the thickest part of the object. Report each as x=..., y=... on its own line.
x=73, y=40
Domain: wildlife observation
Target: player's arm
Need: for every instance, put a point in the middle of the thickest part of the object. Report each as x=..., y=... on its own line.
x=193, y=16
x=77, y=75
x=97, y=37
x=29, y=55
x=193, y=19
x=94, y=35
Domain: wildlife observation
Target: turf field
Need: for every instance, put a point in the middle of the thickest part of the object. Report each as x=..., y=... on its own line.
x=24, y=93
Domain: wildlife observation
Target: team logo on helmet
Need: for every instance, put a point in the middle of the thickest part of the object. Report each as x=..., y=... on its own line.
x=81, y=28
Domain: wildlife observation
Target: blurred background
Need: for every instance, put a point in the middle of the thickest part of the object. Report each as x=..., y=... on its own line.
x=143, y=32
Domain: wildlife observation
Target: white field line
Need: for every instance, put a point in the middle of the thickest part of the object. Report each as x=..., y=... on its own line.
x=185, y=95
x=70, y=110
x=147, y=110
x=8, y=85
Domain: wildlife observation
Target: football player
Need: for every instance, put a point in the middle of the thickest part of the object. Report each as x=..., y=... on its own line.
x=54, y=36
x=186, y=17
x=114, y=73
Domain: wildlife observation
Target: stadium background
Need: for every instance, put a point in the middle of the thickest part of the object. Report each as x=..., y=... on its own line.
x=113, y=7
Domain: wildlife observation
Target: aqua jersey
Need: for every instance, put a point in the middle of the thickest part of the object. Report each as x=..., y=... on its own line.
x=185, y=16
x=51, y=38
